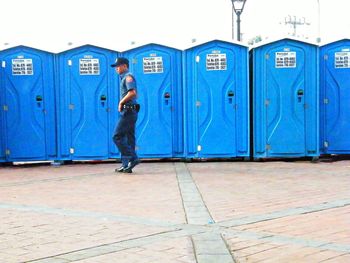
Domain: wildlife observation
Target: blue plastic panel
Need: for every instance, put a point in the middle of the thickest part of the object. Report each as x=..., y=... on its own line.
x=285, y=99
x=335, y=97
x=2, y=118
x=28, y=104
x=87, y=102
x=158, y=72
x=216, y=100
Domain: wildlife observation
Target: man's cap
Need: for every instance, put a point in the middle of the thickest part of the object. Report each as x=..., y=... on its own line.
x=120, y=61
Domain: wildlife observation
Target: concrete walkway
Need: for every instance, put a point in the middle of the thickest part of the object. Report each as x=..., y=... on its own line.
x=205, y=212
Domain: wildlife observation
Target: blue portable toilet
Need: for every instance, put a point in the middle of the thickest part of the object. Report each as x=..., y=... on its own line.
x=335, y=97
x=216, y=100
x=158, y=72
x=87, y=103
x=285, y=99
x=28, y=124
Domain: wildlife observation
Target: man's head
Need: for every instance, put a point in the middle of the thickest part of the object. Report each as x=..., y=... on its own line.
x=121, y=65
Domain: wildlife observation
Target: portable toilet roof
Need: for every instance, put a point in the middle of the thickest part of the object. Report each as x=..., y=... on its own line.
x=334, y=38
x=74, y=47
x=328, y=43
x=15, y=45
x=59, y=47
x=269, y=41
x=52, y=47
x=130, y=47
x=10, y=45
x=205, y=41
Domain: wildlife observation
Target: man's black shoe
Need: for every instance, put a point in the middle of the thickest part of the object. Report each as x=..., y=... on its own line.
x=131, y=165
x=120, y=169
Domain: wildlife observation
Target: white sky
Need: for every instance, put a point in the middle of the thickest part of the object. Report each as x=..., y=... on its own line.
x=51, y=24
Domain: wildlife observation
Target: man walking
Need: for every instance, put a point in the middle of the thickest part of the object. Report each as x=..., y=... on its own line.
x=124, y=134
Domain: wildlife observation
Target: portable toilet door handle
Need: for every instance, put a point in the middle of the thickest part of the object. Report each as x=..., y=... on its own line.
x=300, y=95
x=39, y=100
x=103, y=99
x=167, y=98
x=230, y=96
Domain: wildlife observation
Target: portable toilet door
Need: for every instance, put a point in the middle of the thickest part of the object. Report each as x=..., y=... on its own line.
x=2, y=119
x=28, y=104
x=216, y=100
x=335, y=97
x=285, y=100
x=87, y=103
x=159, y=129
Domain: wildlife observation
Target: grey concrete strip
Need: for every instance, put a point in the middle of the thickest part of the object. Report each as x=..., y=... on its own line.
x=287, y=240
x=111, y=248
x=51, y=260
x=285, y=213
x=88, y=214
x=211, y=248
x=66, y=178
x=195, y=209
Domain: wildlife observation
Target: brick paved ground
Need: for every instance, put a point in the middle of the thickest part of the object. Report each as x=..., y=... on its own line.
x=175, y=212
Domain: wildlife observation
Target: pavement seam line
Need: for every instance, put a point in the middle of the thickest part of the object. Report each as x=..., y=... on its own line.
x=288, y=240
x=115, y=246
x=67, y=178
x=88, y=214
x=119, y=245
x=285, y=213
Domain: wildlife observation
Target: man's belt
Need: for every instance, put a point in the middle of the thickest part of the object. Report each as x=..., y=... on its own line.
x=131, y=107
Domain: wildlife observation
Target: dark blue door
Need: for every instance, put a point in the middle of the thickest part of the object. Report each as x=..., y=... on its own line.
x=153, y=71
x=216, y=100
x=89, y=99
x=337, y=98
x=285, y=101
x=24, y=109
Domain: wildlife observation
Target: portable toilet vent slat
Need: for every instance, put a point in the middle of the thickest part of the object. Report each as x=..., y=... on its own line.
x=285, y=99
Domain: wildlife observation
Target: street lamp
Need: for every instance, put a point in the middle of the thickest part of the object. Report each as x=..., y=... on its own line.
x=318, y=39
x=233, y=22
x=238, y=6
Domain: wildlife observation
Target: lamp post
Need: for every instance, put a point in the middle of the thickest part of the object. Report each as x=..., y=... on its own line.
x=318, y=39
x=233, y=22
x=238, y=6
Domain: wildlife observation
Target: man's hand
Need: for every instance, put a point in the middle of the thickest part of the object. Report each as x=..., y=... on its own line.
x=120, y=107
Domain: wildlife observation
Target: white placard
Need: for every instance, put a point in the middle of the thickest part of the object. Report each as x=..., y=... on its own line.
x=89, y=66
x=152, y=65
x=286, y=60
x=22, y=66
x=342, y=60
x=216, y=62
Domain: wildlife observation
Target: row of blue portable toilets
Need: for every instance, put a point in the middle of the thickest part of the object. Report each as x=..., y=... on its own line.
x=194, y=103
